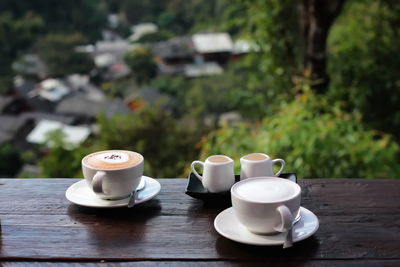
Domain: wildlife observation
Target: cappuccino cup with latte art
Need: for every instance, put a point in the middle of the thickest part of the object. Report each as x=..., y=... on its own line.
x=113, y=174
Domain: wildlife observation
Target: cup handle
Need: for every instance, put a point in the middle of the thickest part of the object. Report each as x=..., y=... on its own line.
x=97, y=182
x=194, y=170
x=287, y=219
x=282, y=162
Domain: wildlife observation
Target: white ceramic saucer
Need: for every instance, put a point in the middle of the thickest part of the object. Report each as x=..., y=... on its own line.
x=79, y=193
x=229, y=226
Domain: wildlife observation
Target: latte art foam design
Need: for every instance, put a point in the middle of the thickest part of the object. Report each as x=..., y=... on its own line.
x=266, y=191
x=112, y=159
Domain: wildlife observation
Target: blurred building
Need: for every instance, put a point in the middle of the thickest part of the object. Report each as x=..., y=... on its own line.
x=13, y=129
x=171, y=56
x=73, y=135
x=85, y=110
x=202, y=69
x=52, y=90
x=142, y=29
x=215, y=47
x=202, y=54
x=30, y=65
x=13, y=105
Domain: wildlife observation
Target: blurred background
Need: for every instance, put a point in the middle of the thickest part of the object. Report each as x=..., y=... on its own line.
x=316, y=83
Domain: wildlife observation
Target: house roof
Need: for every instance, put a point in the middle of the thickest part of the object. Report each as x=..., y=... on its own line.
x=53, y=89
x=5, y=137
x=118, y=71
x=212, y=42
x=179, y=47
x=167, y=69
x=9, y=127
x=40, y=104
x=117, y=47
x=104, y=60
x=79, y=105
x=204, y=69
x=11, y=124
x=115, y=107
x=23, y=85
x=38, y=116
x=77, y=81
x=4, y=102
x=148, y=94
x=73, y=134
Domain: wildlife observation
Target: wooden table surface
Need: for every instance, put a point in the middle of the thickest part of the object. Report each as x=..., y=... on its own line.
x=359, y=225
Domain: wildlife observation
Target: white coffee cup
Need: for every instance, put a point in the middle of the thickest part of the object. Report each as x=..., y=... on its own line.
x=218, y=173
x=113, y=174
x=258, y=164
x=266, y=205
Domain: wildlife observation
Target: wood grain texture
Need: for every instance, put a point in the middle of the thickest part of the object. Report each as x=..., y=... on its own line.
x=286, y=263
x=359, y=223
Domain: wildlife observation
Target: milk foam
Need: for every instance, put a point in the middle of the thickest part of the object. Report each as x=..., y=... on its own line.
x=113, y=157
x=265, y=190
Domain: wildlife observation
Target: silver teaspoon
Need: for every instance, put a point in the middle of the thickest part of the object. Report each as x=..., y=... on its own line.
x=132, y=200
x=289, y=236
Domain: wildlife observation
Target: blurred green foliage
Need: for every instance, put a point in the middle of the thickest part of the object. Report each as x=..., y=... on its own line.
x=84, y=16
x=177, y=16
x=168, y=145
x=120, y=88
x=273, y=26
x=342, y=133
x=62, y=160
x=155, y=37
x=141, y=62
x=234, y=90
x=58, y=52
x=24, y=22
x=16, y=34
x=364, y=62
x=320, y=135
x=315, y=137
x=197, y=97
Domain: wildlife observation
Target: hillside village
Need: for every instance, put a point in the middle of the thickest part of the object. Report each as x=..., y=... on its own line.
x=39, y=103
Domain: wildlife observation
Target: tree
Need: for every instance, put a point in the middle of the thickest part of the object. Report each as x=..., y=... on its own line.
x=58, y=52
x=268, y=73
x=362, y=42
x=141, y=62
x=138, y=11
x=16, y=34
x=177, y=16
x=316, y=18
x=288, y=50
x=62, y=160
x=364, y=62
x=315, y=137
x=167, y=145
x=23, y=22
x=214, y=95
x=85, y=16
x=181, y=17
x=155, y=37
